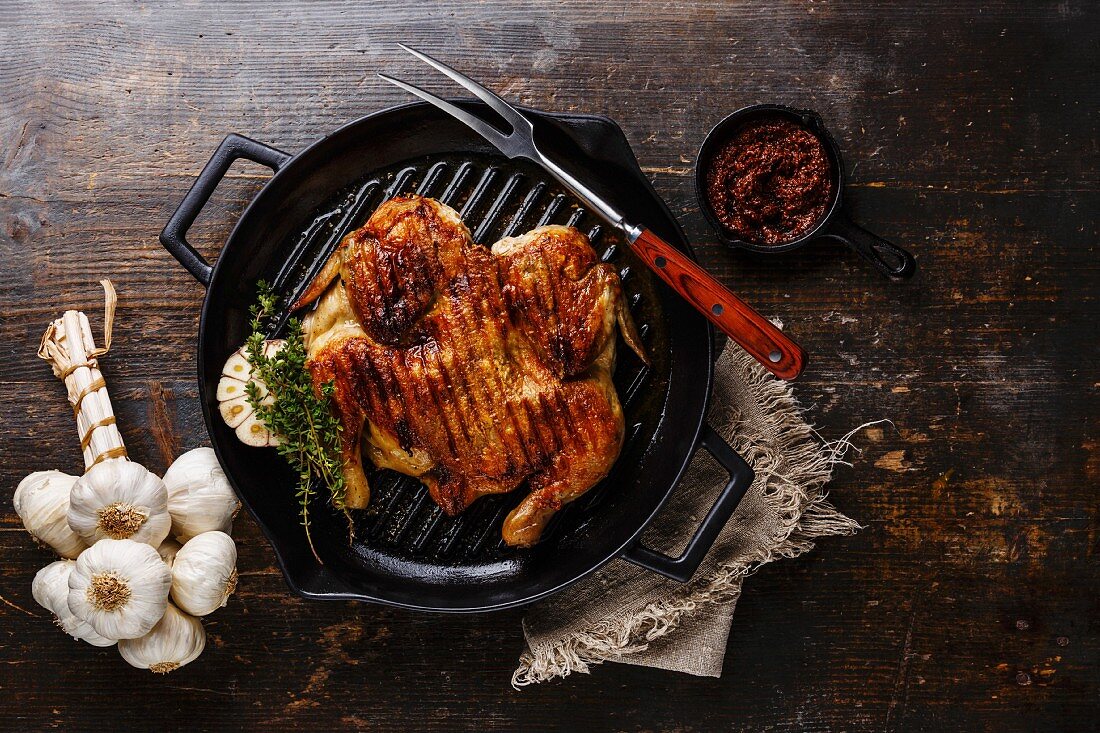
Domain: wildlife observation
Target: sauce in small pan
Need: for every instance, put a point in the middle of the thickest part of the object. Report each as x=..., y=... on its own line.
x=771, y=182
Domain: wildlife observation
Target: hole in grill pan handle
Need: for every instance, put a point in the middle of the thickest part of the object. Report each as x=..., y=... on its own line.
x=740, y=478
x=174, y=235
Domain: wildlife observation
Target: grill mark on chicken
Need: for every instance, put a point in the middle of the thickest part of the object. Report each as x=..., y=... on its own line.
x=543, y=438
x=512, y=439
x=478, y=386
x=487, y=368
x=456, y=376
x=548, y=423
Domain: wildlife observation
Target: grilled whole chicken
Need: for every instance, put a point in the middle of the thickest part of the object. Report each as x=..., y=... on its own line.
x=472, y=369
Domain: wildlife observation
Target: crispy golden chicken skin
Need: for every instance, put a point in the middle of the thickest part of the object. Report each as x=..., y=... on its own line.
x=473, y=369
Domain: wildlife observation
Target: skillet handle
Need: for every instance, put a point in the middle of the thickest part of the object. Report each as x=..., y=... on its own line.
x=741, y=477
x=887, y=257
x=174, y=236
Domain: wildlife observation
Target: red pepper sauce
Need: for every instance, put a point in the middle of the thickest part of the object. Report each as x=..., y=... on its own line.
x=771, y=182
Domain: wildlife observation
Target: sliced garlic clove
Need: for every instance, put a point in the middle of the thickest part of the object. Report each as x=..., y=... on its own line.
x=237, y=366
x=254, y=433
x=235, y=411
x=261, y=389
x=230, y=388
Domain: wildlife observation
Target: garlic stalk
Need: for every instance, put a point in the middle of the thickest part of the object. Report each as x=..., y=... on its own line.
x=42, y=501
x=200, y=498
x=120, y=587
x=70, y=349
x=204, y=573
x=115, y=498
x=176, y=640
x=51, y=590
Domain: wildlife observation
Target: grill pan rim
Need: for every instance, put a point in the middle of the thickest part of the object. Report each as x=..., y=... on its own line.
x=319, y=584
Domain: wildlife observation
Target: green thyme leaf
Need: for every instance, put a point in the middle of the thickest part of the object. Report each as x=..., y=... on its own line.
x=295, y=411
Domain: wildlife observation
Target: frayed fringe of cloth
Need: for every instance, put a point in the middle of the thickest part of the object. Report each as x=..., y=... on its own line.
x=796, y=494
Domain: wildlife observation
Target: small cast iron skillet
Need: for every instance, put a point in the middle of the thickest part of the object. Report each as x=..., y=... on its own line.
x=888, y=258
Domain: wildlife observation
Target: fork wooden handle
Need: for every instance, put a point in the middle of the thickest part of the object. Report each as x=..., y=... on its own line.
x=735, y=318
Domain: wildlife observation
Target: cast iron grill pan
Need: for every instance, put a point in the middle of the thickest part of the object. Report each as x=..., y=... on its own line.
x=405, y=551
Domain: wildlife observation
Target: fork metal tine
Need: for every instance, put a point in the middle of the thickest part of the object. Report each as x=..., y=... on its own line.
x=520, y=143
x=475, y=123
x=491, y=98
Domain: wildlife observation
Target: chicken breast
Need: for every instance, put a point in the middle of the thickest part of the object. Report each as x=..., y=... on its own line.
x=472, y=369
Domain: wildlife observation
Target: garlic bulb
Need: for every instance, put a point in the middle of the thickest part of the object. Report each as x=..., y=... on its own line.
x=120, y=587
x=168, y=550
x=176, y=640
x=42, y=502
x=233, y=399
x=51, y=589
x=200, y=498
x=119, y=499
x=204, y=574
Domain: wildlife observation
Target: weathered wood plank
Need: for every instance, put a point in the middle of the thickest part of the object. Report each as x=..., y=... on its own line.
x=969, y=130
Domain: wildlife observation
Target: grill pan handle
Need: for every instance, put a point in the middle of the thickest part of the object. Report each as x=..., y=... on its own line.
x=683, y=567
x=174, y=236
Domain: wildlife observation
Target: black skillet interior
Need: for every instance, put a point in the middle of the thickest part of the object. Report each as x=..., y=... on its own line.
x=406, y=552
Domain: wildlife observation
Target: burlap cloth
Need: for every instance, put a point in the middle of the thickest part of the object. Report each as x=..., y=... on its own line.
x=622, y=613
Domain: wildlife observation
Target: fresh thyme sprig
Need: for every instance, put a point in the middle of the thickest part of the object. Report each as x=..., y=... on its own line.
x=308, y=431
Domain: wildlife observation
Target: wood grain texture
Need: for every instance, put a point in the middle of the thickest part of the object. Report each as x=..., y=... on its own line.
x=969, y=602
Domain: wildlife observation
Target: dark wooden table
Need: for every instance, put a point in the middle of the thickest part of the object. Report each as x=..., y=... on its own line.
x=970, y=600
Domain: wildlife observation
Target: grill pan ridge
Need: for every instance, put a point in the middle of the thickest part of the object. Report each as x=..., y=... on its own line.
x=405, y=551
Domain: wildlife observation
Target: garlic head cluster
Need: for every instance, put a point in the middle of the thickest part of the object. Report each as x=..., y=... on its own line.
x=204, y=573
x=51, y=590
x=173, y=642
x=113, y=522
x=200, y=498
x=42, y=501
x=120, y=587
x=119, y=499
